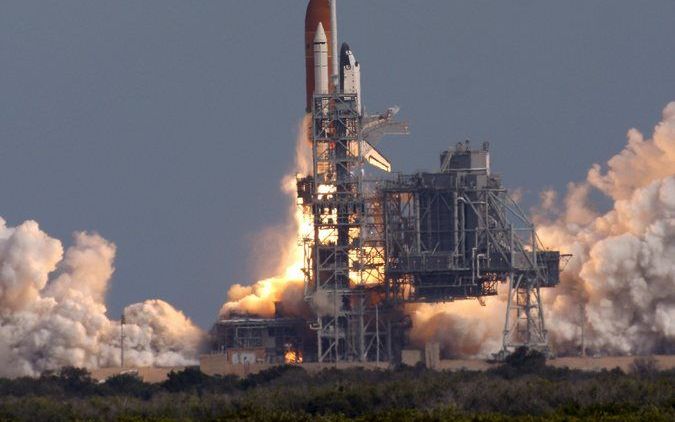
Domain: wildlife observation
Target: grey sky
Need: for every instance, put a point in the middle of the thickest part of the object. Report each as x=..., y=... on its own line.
x=166, y=126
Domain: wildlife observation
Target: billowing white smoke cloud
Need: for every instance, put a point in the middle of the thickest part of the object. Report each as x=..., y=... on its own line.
x=263, y=296
x=47, y=323
x=160, y=335
x=621, y=281
x=463, y=328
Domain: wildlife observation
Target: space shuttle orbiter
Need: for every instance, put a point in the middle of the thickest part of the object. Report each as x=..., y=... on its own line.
x=350, y=74
x=374, y=127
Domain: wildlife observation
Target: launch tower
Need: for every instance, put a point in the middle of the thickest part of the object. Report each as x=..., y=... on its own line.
x=381, y=243
x=427, y=237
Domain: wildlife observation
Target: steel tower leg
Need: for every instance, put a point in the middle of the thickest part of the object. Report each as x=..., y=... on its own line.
x=524, y=323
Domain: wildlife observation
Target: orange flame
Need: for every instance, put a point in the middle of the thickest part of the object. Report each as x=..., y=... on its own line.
x=293, y=357
x=288, y=285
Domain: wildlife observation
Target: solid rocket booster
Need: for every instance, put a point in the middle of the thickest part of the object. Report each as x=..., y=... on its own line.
x=320, y=61
x=318, y=12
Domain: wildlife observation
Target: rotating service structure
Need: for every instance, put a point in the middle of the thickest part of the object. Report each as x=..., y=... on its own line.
x=456, y=234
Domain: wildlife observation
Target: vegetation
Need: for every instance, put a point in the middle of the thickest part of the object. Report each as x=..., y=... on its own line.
x=523, y=388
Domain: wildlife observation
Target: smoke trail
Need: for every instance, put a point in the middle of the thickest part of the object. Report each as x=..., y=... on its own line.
x=47, y=323
x=287, y=287
x=621, y=282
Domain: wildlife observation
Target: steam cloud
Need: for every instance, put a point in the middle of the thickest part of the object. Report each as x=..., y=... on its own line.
x=621, y=282
x=53, y=314
x=463, y=328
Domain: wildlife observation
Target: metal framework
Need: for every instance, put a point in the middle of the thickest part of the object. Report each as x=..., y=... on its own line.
x=456, y=234
x=345, y=255
x=532, y=268
x=426, y=237
x=378, y=245
x=276, y=337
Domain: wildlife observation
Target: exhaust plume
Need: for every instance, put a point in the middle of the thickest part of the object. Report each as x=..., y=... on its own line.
x=288, y=286
x=53, y=314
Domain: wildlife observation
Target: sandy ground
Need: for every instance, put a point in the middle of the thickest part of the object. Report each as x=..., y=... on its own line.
x=215, y=364
x=609, y=362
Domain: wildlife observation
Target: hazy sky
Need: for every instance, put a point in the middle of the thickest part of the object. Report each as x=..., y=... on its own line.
x=166, y=126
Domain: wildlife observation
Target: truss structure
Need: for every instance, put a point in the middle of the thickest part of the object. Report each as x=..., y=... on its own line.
x=345, y=255
x=426, y=237
x=457, y=234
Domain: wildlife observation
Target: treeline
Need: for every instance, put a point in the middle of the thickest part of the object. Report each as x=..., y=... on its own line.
x=523, y=388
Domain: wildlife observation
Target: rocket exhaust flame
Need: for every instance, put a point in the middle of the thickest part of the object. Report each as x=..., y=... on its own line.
x=293, y=356
x=287, y=286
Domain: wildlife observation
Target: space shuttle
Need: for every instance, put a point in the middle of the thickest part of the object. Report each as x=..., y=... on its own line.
x=326, y=74
x=350, y=74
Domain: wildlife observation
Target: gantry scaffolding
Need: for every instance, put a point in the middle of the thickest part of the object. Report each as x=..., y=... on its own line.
x=426, y=237
x=456, y=234
x=345, y=255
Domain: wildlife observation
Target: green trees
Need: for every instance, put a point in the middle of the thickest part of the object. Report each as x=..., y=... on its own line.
x=127, y=385
x=522, y=388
